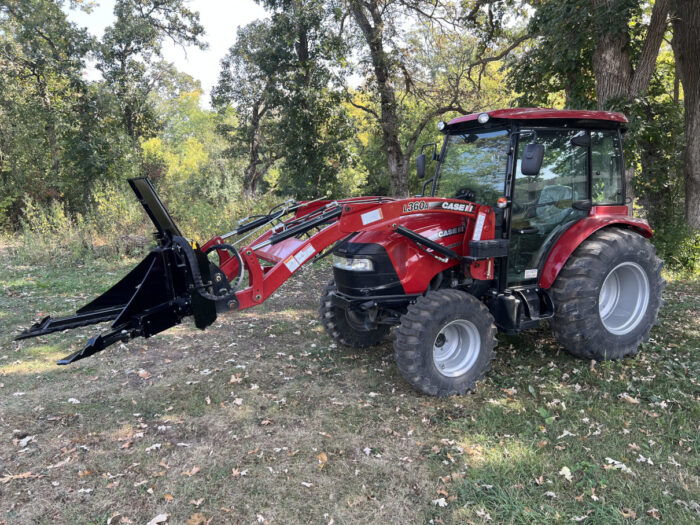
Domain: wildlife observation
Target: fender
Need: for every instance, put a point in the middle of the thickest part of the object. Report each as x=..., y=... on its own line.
x=599, y=218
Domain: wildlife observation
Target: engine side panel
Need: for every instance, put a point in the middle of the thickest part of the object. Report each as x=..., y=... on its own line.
x=414, y=267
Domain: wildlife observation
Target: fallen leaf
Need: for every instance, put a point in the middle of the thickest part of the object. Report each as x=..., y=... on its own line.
x=566, y=473
x=197, y=519
x=322, y=459
x=617, y=465
x=9, y=477
x=628, y=513
x=83, y=473
x=73, y=401
x=550, y=494
x=160, y=518
x=21, y=443
x=197, y=502
x=440, y=502
x=169, y=497
x=654, y=513
x=307, y=484
x=191, y=472
x=208, y=400
x=628, y=399
x=144, y=374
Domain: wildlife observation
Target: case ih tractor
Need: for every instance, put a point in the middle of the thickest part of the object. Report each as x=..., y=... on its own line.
x=525, y=219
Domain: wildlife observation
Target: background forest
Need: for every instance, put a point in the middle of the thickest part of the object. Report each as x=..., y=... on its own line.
x=323, y=97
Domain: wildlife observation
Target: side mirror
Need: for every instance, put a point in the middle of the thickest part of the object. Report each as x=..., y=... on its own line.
x=531, y=163
x=420, y=165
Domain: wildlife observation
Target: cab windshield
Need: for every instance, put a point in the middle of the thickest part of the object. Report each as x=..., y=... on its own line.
x=476, y=162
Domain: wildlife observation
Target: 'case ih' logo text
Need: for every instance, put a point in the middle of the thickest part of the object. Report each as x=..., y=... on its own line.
x=415, y=206
x=451, y=231
x=458, y=206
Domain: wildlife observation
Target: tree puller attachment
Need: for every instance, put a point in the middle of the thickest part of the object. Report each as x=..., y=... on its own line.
x=525, y=221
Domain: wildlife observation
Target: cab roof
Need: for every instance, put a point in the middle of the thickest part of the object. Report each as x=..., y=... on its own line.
x=545, y=114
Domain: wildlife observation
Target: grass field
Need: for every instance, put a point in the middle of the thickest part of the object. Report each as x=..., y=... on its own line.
x=262, y=419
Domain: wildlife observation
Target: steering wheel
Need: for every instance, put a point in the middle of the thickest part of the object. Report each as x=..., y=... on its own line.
x=465, y=194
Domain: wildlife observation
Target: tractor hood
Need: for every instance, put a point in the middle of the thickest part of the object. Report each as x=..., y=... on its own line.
x=399, y=264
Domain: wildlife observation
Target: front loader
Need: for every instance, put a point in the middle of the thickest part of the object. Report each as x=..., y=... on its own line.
x=525, y=221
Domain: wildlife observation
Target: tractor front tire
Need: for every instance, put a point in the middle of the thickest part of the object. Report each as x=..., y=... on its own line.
x=445, y=343
x=343, y=327
x=607, y=296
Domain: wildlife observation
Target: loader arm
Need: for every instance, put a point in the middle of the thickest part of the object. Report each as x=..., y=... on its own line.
x=177, y=280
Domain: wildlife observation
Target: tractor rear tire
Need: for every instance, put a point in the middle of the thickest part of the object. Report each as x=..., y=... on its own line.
x=607, y=296
x=340, y=325
x=445, y=343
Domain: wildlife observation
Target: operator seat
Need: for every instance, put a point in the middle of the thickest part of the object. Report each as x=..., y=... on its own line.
x=552, y=208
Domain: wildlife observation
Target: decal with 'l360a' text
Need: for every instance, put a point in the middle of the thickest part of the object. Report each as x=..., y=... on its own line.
x=418, y=206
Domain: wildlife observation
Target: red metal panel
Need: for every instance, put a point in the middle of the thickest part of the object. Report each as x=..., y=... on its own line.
x=544, y=113
x=579, y=232
x=263, y=285
x=274, y=253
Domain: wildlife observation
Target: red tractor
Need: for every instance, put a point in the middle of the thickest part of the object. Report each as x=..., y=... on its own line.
x=525, y=219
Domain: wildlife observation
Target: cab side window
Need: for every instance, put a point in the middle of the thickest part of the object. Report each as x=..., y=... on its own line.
x=606, y=168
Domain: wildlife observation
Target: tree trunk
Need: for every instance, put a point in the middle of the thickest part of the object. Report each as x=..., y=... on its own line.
x=612, y=67
x=686, y=48
x=615, y=76
x=389, y=118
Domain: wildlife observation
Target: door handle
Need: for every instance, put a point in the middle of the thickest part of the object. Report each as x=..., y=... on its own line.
x=524, y=231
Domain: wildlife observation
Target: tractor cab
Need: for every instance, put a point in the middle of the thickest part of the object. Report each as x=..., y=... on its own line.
x=541, y=170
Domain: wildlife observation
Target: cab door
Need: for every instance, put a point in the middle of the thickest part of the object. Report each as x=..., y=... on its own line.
x=542, y=205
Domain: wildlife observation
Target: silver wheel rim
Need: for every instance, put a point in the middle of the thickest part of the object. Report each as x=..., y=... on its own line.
x=624, y=298
x=456, y=348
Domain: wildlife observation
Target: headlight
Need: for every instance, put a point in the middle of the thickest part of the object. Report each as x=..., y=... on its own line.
x=483, y=118
x=354, y=265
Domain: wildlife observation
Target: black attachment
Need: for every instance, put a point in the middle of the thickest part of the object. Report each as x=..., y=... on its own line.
x=488, y=249
x=174, y=281
x=154, y=207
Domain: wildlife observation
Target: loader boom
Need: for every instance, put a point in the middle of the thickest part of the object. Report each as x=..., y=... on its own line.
x=177, y=280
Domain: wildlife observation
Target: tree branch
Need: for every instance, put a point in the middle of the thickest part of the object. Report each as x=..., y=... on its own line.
x=502, y=54
x=650, y=50
x=366, y=109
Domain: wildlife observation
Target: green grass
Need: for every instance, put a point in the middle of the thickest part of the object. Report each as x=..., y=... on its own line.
x=530, y=446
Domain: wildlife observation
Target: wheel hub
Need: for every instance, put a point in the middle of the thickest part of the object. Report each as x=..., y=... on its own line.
x=456, y=348
x=624, y=298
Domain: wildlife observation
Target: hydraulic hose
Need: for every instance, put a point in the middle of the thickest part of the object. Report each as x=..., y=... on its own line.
x=197, y=276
